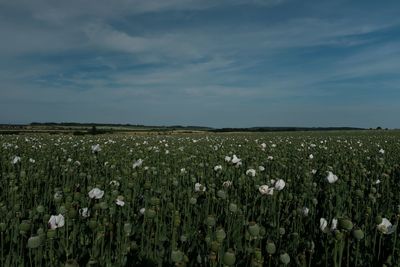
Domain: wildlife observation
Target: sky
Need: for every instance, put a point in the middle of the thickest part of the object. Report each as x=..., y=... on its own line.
x=217, y=63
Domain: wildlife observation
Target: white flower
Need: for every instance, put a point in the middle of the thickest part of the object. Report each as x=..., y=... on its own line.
x=56, y=221
x=378, y=181
x=69, y=160
x=385, y=227
x=84, y=212
x=280, y=184
x=311, y=156
x=199, y=187
x=16, y=160
x=331, y=178
x=119, y=202
x=305, y=211
x=251, y=172
x=263, y=146
x=142, y=210
x=218, y=168
x=183, y=171
x=381, y=151
x=235, y=160
x=334, y=224
x=313, y=171
x=31, y=160
x=114, y=183
x=261, y=168
x=227, y=184
x=270, y=157
x=96, y=148
x=96, y=193
x=265, y=190
x=227, y=158
x=137, y=163
x=323, y=223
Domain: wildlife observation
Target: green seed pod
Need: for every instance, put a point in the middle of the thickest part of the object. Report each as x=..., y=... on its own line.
x=103, y=205
x=233, y=207
x=358, y=234
x=155, y=201
x=284, y=258
x=254, y=229
x=25, y=226
x=229, y=258
x=40, y=209
x=210, y=221
x=359, y=193
x=271, y=248
x=220, y=235
x=378, y=219
x=150, y=213
x=373, y=190
x=282, y=231
x=71, y=263
x=34, y=242
x=183, y=238
x=193, y=200
x=345, y=224
x=176, y=256
x=127, y=228
x=221, y=194
x=215, y=246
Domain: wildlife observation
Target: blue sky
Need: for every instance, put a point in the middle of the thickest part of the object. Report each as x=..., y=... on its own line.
x=219, y=63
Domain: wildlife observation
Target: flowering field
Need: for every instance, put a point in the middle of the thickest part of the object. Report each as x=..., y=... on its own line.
x=301, y=199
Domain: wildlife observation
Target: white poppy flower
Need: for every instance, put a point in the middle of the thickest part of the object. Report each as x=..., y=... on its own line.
x=31, y=160
x=119, y=202
x=313, y=171
x=235, y=159
x=265, y=190
x=382, y=151
x=378, y=181
x=96, y=148
x=56, y=221
x=331, y=177
x=227, y=184
x=142, y=210
x=270, y=157
x=218, y=168
x=227, y=158
x=385, y=227
x=199, y=187
x=263, y=146
x=280, y=184
x=251, y=172
x=183, y=171
x=261, y=168
x=96, y=193
x=114, y=183
x=305, y=211
x=16, y=160
x=311, y=156
x=334, y=224
x=84, y=212
x=137, y=163
x=323, y=223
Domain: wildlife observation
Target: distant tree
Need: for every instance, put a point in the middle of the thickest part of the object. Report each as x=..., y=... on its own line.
x=379, y=128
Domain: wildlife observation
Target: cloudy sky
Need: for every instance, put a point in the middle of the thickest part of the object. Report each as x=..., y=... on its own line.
x=220, y=63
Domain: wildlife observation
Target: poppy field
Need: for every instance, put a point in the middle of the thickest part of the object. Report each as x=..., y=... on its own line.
x=270, y=199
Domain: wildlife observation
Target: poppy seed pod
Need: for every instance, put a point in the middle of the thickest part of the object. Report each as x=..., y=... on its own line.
x=358, y=234
x=34, y=242
x=284, y=258
x=229, y=258
x=254, y=229
x=176, y=256
x=345, y=224
x=220, y=235
x=271, y=248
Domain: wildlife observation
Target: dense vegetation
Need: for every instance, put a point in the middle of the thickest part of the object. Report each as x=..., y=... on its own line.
x=298, y=199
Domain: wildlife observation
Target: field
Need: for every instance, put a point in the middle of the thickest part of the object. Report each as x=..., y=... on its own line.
x=281, y=199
